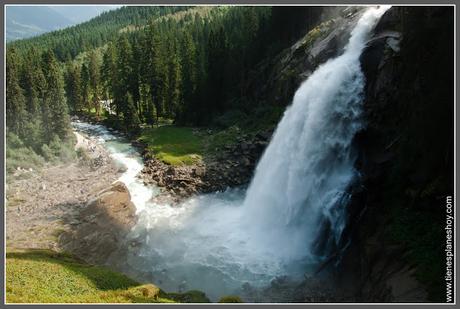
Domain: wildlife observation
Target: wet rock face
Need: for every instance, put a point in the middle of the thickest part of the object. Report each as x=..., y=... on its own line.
x=235, y=165
x=176, y=182
x=408, y=108
x=101, y=225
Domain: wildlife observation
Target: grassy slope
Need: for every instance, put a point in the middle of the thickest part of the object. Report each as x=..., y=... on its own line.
x=174, y=145
x=44, y=276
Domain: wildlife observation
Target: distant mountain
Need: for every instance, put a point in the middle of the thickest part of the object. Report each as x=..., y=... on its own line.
x=69, y=42
x=82, y=13
x=28, y=21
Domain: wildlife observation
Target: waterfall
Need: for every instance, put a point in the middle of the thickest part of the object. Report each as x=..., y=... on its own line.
x=217, y=242
x=301, y=179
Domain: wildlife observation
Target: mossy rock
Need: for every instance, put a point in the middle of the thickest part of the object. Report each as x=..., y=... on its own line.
x=230, y=299
x=149, y=290
x=192, y=296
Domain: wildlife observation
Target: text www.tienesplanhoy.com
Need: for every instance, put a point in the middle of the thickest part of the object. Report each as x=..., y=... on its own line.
x=449, y=249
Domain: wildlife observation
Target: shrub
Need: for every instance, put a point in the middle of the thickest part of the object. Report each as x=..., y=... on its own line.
x=55, y=145
x=230, y=118
x=59, y=151
x=22, y=157
x=47, y=152
x=18, y=155
x=82, y=154
x=34, y=137
x=13, y=141
x=192, y=296
x=67, y=153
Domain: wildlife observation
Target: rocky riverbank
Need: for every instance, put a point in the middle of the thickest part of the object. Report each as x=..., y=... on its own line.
x=50, y=208
x=232, y=166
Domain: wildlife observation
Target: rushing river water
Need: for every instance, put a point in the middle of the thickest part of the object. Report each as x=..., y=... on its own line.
x=186, y=247
x=218, y=242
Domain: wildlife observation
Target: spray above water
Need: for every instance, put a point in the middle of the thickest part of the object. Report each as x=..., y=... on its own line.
x=219, y=241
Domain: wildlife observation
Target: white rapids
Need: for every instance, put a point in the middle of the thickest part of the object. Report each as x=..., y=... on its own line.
x=217, y=242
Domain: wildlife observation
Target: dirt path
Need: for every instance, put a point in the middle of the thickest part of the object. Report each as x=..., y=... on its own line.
x=42, y=204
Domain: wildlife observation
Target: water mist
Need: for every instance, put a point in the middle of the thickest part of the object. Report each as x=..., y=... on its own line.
x=217, y=242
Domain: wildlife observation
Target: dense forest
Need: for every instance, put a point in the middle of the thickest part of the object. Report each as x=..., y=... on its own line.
x=185, y=64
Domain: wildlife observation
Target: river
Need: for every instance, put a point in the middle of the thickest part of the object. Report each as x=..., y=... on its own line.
x=222, y=242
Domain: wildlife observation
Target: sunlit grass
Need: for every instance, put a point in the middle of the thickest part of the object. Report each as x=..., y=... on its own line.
x=174, y=145
x=44, y=276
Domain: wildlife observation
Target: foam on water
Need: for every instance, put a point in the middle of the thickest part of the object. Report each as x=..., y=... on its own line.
x=216, y=242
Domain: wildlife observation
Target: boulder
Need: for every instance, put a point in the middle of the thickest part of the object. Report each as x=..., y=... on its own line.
x=103, y=224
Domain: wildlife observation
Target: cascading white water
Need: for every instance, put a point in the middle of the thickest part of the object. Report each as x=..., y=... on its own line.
x=308, y=165
x=217, y=242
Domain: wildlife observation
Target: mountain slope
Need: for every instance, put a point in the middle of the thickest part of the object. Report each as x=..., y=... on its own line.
x=69, y=42
x=27, y=21
x=81, y=13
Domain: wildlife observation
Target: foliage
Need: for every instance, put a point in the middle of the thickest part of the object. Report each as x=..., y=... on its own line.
x=83, y=156
x=69, y=42
x=37, y=112
x=18, y=155
x=150, y=63
x=192, y=296
x=220, y=139
x=16, y=115
x=131, y=118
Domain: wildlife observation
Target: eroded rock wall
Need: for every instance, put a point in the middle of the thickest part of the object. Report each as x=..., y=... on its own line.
x=406, y=158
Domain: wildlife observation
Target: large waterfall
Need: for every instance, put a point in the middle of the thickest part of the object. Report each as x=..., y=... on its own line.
x=302, y=178
x=218, y=242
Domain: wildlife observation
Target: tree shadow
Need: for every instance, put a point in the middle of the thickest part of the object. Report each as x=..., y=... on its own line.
x=100, y=227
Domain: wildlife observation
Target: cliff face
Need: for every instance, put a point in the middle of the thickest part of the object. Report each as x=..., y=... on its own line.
x=397, y=214
x=397, y=218
x=275, y=80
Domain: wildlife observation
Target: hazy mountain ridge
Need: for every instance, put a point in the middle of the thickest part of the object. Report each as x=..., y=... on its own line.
x=28, y=21
x=79, y=13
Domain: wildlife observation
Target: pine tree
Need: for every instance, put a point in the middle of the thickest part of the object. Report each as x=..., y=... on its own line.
x=154, y=69
x=131, y=117
x=30, y=90
x=85, y=86
x=109, y=72
x=189, y=78
x=217, y=58
x=16, y=114
x=185, y=66
x=124, y=73
x=73, y=88
x=135, y=80
x=56, y=110
x=94, y=82
x=174, y=95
